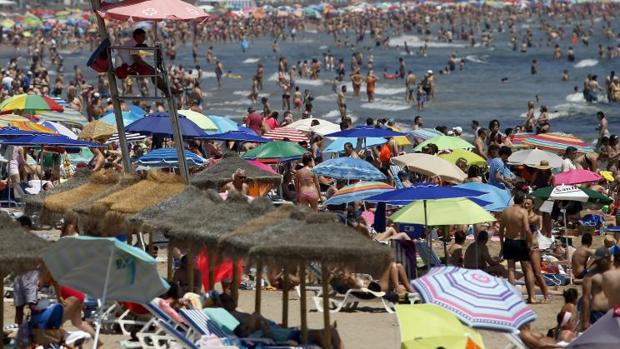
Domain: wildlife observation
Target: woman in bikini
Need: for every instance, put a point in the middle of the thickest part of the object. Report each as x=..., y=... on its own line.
x=307, y=184
x=535, y=222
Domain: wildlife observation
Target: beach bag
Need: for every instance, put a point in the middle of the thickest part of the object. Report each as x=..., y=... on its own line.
x=99, y=61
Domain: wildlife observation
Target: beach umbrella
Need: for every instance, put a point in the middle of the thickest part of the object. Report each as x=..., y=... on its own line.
x=224, y=123
x=128, y=118
x=159, y=124
x=337, y=145
x=105, y=268
x=498, y=198
x=237, y=136
x=442, y=212
x=203, y=121
x=472, y=158
x=20, y=251
x=278, y=150
x=59, y=128
x=290, y=134
x=426, y=133
x=29, y=104
x=358, y=192
x=14, y=132
x=324, y=128
x=576, y=177
x=557, y=142
x=7, y=23
x=348, y=168
x=136, y=110
x=445, y=143
x=441, y=328
x=48, y=140
x=97, y=130
x=306, y=125
x=603, y=334
x=475, y=297
x=167, y=157
x=28, y=126
x=430, y=166
x=571, y=193
x=130, y=137
x=152, y=10
x=533, y=157
x=32, y=22
x=363, y=132
x=68, y=116
x=423, y=192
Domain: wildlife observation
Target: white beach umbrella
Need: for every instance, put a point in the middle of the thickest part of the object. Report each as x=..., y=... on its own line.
x=533, y=157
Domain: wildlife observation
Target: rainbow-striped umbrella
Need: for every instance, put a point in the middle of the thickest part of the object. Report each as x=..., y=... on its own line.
x=24, y=125
x=475, y=297
x=358, y=192
x=29, y=104
x=557, y=142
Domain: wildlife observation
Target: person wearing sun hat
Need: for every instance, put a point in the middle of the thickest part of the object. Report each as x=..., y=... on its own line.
x=542, y=176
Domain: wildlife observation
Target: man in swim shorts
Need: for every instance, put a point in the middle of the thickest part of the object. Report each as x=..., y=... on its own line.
x=595, y=302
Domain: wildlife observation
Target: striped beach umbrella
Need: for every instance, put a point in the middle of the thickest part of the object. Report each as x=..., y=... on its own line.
x=348, y=169
x=425, y=133
x=475, y=297
x=28, y=126
x=358, y=192
x=290, y=134
x=167, y=157
x=29, y=104
x=557, y=142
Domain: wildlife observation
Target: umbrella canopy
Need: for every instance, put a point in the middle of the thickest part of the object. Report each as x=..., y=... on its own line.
x=430, y=166
x=472, y=158
x=363, y=132
x=69, y=116
x=237, y=136
x=533, y=157
x=105, y=267
x=29, y=126
x=221, y=173
x=441, y=328
x=97, y=130
x=571, y=193
x=475, y=297
x=59, y=128
x=603, y=334
x=224, y=123
x=498, y=198
x=159, y=124
x=337, y=145
x=128, y=118
x=48, y=140
x=445, y=143
x=324, y=128
x=289, y=134
x=167, y=157
x=20, y=250
x=442, y=212
x=29, y=104
x=306, y=125
x=203, y=121
x=426, y=133
x=576, y=177
x=423, y=192
x=14, y=132
x=348, y=169
x=358, y=192
x=557, y=142
x=279, y=150
x=152, y=10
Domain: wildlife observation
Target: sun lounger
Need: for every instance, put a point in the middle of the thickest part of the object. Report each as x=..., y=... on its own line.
x=181, y=339
x=151, y=335
x=429, y=256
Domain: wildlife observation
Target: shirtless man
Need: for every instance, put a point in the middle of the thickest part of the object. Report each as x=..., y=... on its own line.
x=410, y=86
x=515, y=228
x=480, y=142
x=342, y=103
x=611, y=282
x=237, y=183
x=579, y=262
x=603, y=129
x=595, y=303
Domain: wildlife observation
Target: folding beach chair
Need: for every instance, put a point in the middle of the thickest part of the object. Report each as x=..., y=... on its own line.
x=151, y=335
x=429, y=256
x=181, y=340
x=405, y=254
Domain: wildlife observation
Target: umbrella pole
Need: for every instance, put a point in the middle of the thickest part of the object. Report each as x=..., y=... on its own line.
x=118, y=115
x=258, y=281
x=234, y=288
x=190, y=269
x=103, y=298
x=327, y=336
x=302, y=303
x=2, y=311
x=445, y=244
x=429, y=237
x=170, y=261
x=285, y=297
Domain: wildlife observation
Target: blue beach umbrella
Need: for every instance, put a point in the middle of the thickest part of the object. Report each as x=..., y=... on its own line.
x=49, y=140
x=337, y=145
x=128, y=118
x=498, y=198
x=238, y=136
x=167, y=157
x=349, y=169
x=159, y=124
x=407, y=195
x=363, y=132
x=358, y=192
x=223, y=123
x=14, y=132
x=136, y=110
x=105, y=268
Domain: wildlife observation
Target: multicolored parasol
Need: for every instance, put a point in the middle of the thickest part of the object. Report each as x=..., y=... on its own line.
x=358, y=192
x=29, y=104
x=557, y=142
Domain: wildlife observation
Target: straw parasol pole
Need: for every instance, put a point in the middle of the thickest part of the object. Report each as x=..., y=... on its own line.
x=20, y=251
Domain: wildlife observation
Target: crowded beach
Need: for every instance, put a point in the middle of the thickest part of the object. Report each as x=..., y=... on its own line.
x=414, y=175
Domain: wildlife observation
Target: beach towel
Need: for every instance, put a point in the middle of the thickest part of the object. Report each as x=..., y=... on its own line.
x=222, y=270
x=224, y=320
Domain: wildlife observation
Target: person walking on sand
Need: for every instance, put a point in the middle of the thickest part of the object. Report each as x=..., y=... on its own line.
x=371, y=85
x=515, y=237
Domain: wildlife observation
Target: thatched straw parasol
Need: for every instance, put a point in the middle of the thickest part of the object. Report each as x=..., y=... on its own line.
x=34, y=203
x=215, y=176
x=112, y=210
x=20, y=251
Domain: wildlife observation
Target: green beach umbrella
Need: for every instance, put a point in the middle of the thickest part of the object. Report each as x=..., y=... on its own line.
x=442, y=212
x=571, y=193
x=445, y=143
x=280, y=150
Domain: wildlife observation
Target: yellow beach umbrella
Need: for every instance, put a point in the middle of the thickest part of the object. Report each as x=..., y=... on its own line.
x=203, y=121
x=424, y=326
x=401, y=140
x=472, y=158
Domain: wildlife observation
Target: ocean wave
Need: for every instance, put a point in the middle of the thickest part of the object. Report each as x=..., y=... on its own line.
x=326, y=98
x=309, y=82
x=387, y=105
x=477, y=59
x=576, y=97
x=584, y=63
x=383, y=91
x=251, y=60
x=415, y=41
x=566, y=110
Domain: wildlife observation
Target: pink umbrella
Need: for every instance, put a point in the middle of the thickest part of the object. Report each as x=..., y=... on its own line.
x=263, y=167
x=576, y=177
x=152, y=10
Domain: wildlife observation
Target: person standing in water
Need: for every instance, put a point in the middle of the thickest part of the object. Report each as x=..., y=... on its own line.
x=570, y=55
x=356, y=81
x=342, y=103
x=410, y=87
x=371, y=85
